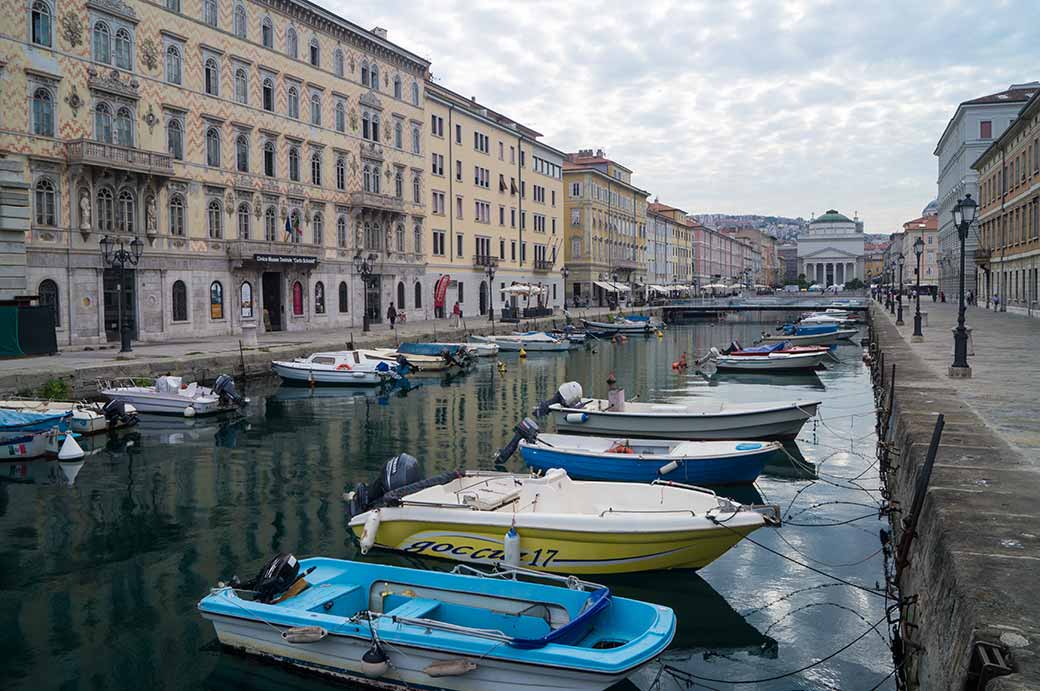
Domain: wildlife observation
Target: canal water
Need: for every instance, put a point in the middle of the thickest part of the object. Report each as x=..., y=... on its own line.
x=101, y=564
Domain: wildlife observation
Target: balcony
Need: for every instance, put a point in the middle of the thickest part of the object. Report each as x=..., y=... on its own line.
x=379, y=202
x=482, y=261
x=543, y=266
x=982, y=255
x=94, y=153
x=627, y=264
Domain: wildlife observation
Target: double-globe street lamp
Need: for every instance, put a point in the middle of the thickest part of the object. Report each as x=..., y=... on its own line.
x=363, y=267
x=963, y=216
x=918, y=250
x=117, y=255
x=899, y=294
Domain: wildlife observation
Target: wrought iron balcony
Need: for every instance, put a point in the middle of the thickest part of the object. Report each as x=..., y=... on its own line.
x=377, y=201
x=482, y=261
x=543, y=265
x=91, y=152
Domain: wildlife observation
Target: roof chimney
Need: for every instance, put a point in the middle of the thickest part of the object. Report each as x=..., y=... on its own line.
x=599, y=153
x=379, y=31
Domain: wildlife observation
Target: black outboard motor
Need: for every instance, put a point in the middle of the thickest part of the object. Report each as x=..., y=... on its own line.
x=733, y=347
x=225, y=388
x=527, y=430
x=116, y=414
x=274, y=579
x=400, y=471
x=568, y=395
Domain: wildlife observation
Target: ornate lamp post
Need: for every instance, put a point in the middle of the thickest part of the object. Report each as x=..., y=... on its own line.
x=489, y=271
x=565, y=272
x=963, y=217
x=899, y=294
x=918, y=250
x=363, y=267
x=118, y=256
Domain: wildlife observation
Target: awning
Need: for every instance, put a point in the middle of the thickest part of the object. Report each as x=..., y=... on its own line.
x=609, y=287
x=621, y=288
x=660, y=289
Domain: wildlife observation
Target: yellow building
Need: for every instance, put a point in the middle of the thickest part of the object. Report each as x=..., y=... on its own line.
x=251, y=148
x=606, y=229
x=496, y=209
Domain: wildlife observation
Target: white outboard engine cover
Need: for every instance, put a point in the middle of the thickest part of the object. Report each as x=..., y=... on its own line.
x=570, y=393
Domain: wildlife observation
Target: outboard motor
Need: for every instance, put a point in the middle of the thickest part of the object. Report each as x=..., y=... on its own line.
x=274, y=579
x=400, y=471
x=568, y=395
x=225, y=388
x=116, y=414
x=733, y=347
x=527, y=430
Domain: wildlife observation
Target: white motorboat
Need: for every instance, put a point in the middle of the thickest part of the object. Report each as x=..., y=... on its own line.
x=170, y=396
x=782, y=362
x=346, y=367
x=531, y=341
x=87, y=417
x=422, y=363
x=475, y=349
x=623, y=326
x=708, y=419
x=829, y=338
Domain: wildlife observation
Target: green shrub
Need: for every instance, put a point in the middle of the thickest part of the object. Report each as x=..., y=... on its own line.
x=54, y=390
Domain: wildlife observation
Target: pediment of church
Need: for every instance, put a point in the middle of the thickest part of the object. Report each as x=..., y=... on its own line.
x=830, y=253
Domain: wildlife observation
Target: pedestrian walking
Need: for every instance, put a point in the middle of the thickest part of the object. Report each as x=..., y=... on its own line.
x=456, y=313
x=996, y=301
x=970, y=296
x=942, y=296
x=391, y=315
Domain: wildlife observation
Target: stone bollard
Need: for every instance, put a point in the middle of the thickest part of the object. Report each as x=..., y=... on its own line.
x=249, y=334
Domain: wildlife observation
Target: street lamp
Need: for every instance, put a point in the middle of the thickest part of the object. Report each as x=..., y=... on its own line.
x=963, y=217
x=116, y=254
x=489, y=271
x=565, y=272
x=899, y=294
x=918, y=249
x=363, y=266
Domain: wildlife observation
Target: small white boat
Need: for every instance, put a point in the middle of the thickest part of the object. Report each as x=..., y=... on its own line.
x=346, y=367
x=27, y=445
x=87, y=417
x=779, y=362
x=623, y=326
x=422, y=363
x=170, y=396
x=829, y=338
x=475, y=349
x=531, y=341
x=708, y=419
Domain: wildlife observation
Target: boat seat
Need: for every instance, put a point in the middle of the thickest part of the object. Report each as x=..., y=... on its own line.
x=415, y=608
x=486, y=498
x=313, y=599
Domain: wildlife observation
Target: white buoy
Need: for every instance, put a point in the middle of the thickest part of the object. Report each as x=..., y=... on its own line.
x=512, y=547
x=189, y=411
x=668, y=467
x=70, y=450
x=576, y=418
x=368, y=535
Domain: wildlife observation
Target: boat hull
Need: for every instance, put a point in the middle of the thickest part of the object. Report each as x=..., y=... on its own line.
x=304, y=374
x=167, y=404
x=770, y=363
x=21, y=447
x=610, y=327
x=515, y=345
x=812, y=339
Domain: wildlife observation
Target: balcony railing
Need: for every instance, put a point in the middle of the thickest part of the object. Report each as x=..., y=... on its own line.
x=482, y=261
x=982, y=255
x=627, y=264
x=543, y=265
x=117, y=156
x=375, y=200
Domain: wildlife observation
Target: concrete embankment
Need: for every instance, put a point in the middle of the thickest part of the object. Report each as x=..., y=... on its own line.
x=205, y=359
x=969, y=585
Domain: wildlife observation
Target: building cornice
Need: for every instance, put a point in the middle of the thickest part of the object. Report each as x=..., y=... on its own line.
x=612, y=180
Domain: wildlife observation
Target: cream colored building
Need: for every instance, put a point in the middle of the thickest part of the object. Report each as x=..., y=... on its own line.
x=926, y=228
x=496, y=204
x=201, y=128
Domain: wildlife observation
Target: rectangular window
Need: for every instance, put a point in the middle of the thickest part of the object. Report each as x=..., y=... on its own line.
x=501, y=215
x=501, y=151
x=986, y=129
x=458, y=246
x=438, y=203
x=458, y=134
x=512, y=250
x=501, y=249
x=575, y=189
x=437, y=125
x=438, y=243
x=458, y=207
x=458, y=170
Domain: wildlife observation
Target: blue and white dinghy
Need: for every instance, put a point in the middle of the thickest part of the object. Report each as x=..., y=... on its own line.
x=396, y=627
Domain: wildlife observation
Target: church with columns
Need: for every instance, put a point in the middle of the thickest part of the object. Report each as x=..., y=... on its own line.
x=830, y=251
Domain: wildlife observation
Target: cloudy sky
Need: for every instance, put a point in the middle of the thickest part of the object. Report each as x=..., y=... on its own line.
x=732, y=106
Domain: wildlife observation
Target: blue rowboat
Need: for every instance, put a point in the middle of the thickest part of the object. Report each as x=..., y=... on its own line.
x=390, y=626
x=646, y=460
x=432, y=349
x=17, y=422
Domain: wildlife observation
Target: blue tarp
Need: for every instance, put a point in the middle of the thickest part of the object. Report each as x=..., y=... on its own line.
x=432, y=349
x=17, y=421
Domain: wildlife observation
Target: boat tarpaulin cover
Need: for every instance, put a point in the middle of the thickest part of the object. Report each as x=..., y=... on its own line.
x=16, y=420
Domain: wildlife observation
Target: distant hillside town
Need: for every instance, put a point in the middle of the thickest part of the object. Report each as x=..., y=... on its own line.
x=782, y=228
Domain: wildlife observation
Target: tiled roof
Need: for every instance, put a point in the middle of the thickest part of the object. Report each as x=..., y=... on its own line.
x=1017, y=93
x=923, y=223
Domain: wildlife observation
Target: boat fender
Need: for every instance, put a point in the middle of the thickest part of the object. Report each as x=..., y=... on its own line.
x=189, y=411
x=304, y=634
x=511, y=543
x=449, y=668
x=576, y=418
x=70, y=450
x=375, y=663
x=368, y=535
x=523, y=353
x=668, y=468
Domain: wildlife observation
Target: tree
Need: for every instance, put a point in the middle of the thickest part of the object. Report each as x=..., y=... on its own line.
x=854, y=284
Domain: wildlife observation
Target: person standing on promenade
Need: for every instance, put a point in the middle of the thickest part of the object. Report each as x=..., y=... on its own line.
x=391, y=314
x=456, y=313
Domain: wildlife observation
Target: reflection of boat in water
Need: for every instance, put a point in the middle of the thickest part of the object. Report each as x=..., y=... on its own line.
x=791, y=465
x=41, y=472
x=167, y=430
x=806, y=381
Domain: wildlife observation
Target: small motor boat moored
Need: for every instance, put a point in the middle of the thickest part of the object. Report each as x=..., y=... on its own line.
x=767, y=362
x=391, y=626
x=530, y=341
x=170, y=396
x=344, y=368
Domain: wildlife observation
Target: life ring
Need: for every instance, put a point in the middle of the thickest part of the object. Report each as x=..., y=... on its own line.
x=620, y=448
x=343, y=366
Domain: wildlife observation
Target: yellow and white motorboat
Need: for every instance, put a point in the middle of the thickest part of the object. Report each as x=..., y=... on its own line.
x=556, y=524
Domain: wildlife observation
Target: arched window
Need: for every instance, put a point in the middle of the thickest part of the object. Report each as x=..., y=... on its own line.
x=212, y=77
x=318, y=229
x=400, y=295
x=319, y=298
x=376, y=182
x=43, y=113
x=45, y=205
x=398, y=135
x=177, y=215
x=125, y=214
x=48, y=293
x=267, y=33
x=242, y=153
x=241, y=86
x=41, y=23
x=416, y=190
x=341, y=231
x=417, y=239
x=399, y=184
x=180, y=301
x=373, y=77
x=367, y=178
x=418, y=295
x=341, y=174
x=341, y=117
x=103, y=123
x=268, y=94
x=294, y=164
x=175, y=139
x=291, y=47
x=337, y=62
x=243, y=221
x=366, y=126
x=297, y=299
x=316, y=168
x=124, y=50
x=294, y=223
x=270, y=225
x=124, y=134
x=269, y=158
x=102, y=43
x=364, y=74
x=415, y=94
x=315, y=109
x=240, y=20
x=399, y=238
x=397, y=88
x=215, y=223
x=209, y=12
x=375, y=127
x=416, y=141
x=343, y=293
x=315, y=53
x=105, y=210
x=293, y=97
x=245, y=300
x=173, y=65
x=216, y=300
x=212, y=147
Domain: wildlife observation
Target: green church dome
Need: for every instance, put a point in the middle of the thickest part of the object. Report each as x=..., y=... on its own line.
x=832, y=216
